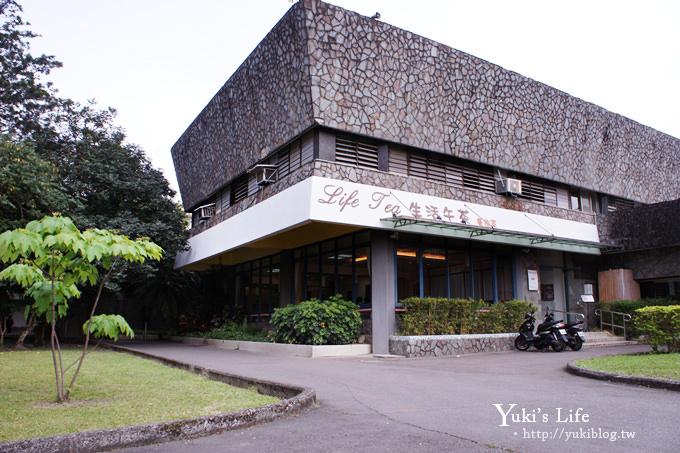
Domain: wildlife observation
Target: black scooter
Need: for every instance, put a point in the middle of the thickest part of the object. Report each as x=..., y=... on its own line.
x=575, y=337
x=549, y=334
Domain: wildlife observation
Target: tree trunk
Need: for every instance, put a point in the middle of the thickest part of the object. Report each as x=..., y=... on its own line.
x=29, y=328
x=3, y=329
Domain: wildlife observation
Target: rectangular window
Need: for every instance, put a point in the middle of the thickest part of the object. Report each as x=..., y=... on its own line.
x=252, y=184
x=307, y=149
x=562, y=198
x=355, y=153
x=312, y=274
x=616, y=203
x=539, y=191
x=295, y=156
x=328, y=269
x=398, y=161
x=226, y=198
x=362, y=260
x=434, y=273
x=283, y=168
x=504, y=277
x=459, y=274
x=345, y=265
x=417, y=165
x=239, y=189
x=408, y=273
x=482, y=268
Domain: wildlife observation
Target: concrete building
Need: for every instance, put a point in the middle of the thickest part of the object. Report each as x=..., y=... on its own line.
x=349, y=156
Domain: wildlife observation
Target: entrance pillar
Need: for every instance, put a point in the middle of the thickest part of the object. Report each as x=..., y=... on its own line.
x=383, y=292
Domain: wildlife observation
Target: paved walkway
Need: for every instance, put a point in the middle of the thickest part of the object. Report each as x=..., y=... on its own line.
x=443, y=404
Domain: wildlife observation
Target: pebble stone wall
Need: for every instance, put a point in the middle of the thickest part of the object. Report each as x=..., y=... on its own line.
x=323, y=65
x=447, y=345
x=649, y=238
x=263, y=104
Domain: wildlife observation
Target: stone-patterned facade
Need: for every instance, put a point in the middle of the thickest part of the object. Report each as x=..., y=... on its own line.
x=263, y=104
x=323, y=65
x=649, y=238
x=644, y=227
x=451, y=345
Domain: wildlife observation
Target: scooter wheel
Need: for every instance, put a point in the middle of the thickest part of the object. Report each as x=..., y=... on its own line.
x=577, y=344
x=521, y=343
x=558, y=346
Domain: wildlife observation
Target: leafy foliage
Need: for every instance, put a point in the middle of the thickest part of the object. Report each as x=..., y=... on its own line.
x=240, y=332
x=60, y=156
x=661, y=324
x=332, y=321
x=109, y=326
x=54, y=258
x=29, y=186
x=434, y=316
x=631, y=307
x=23, y=98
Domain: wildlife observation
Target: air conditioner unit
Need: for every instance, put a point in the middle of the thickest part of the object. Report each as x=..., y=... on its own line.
x=205, y=211
x=509, y=186
x=264, y=174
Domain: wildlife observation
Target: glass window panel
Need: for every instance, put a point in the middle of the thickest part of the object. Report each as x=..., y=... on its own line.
x=482, y=266
x=504, y=277
x=328, y=261
x=434, y=272
x=345, y=282
x=408, y=273
x=363, y=238
x=344, y=242
x=363, y=275
x=299, y=291
x=313, y=276
x=459, y=274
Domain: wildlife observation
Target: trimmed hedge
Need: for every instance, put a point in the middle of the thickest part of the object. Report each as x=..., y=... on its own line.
x=437, y=316
x=332, y=321
x=232, y=331
x=661, y=324
x=630, y=307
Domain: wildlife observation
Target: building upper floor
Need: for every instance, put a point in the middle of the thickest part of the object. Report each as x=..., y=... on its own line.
x=337, y=155
x=331, y=87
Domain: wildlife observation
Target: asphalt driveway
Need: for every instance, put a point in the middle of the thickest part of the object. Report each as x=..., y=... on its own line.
x=522, y=401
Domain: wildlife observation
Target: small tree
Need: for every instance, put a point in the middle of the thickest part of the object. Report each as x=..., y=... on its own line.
x=51, y=257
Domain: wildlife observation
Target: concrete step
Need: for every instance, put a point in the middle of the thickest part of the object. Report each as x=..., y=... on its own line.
x=604, y=339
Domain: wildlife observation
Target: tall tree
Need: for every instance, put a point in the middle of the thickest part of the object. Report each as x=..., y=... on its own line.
x=73, y=159
x=24, y=99
x=29, y=186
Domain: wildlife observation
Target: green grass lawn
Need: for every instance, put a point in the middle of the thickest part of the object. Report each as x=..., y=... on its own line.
x=113, y=389
x=663, y=366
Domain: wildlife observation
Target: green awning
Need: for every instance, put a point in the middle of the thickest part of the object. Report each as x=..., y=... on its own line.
x=497, y=235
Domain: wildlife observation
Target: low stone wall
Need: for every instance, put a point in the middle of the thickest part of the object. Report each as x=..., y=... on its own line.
x=443, y=345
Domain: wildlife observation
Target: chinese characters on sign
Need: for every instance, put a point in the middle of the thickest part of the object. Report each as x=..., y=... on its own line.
x=387, y=202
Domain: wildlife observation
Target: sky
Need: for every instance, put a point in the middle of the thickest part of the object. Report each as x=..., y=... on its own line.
x=159, y=62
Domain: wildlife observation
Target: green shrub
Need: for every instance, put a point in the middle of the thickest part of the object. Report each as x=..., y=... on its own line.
x=630, y=307
x=238, y=332
x=333, y=321
x=661, y=324
x=435, y=316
